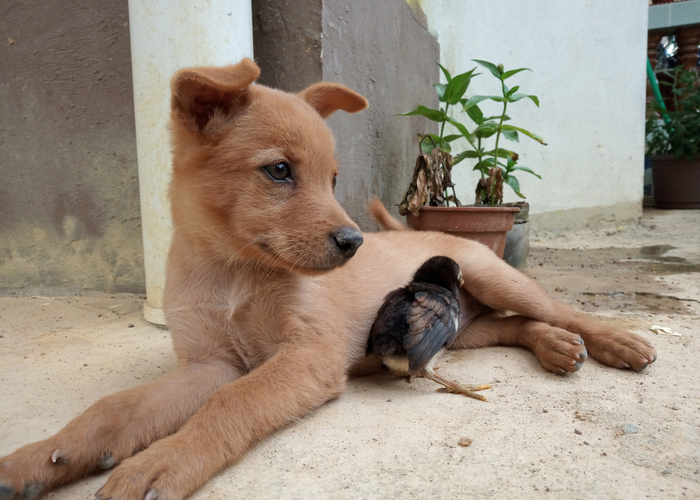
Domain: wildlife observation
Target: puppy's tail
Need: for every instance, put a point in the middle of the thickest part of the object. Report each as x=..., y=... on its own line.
x=377, y=210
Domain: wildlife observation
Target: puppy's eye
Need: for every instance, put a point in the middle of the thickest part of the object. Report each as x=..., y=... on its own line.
x=279, y=171
x=335, y=181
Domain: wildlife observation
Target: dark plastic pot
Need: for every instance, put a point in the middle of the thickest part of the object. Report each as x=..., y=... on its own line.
x=676, y=182
x=487, y=225
x=518, y=239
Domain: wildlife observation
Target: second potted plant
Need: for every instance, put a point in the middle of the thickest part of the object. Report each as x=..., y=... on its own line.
x=430, y=201
x=673, y=143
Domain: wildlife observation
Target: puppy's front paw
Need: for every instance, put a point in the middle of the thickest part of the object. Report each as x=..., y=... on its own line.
x=622, y=349
x=164, y=471
x=34, y=469
x=560, y=351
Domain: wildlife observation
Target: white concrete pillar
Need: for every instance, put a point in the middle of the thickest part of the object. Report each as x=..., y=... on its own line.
x=167, y=35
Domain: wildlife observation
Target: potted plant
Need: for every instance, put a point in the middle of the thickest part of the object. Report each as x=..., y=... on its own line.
x=430, y=201
x=673, y=143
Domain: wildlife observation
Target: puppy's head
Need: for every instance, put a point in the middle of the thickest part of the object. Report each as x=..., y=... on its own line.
x=255, y=170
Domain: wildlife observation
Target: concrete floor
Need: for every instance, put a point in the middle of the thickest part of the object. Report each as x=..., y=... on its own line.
x=540, y=435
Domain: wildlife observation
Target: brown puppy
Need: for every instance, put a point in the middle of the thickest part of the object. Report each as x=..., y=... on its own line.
x=268, y=308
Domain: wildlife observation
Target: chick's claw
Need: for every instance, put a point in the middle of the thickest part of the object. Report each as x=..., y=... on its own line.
x=456, y=387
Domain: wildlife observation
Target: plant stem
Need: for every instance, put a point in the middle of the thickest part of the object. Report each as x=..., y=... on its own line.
x=442, y=130
x=498, y=136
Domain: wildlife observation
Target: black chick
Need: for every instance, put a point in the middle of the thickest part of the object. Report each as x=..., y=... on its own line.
x=417, y=321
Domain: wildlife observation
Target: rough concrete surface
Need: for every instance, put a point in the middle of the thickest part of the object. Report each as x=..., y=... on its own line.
x=540, y=435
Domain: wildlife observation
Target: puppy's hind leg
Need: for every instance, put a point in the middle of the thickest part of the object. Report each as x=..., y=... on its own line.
x=558, y=350
x=111, y=430
x=495, y=283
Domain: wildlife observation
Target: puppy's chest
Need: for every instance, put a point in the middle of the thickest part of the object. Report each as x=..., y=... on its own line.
x=252, y=315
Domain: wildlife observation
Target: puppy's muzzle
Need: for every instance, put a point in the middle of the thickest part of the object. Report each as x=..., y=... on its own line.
x=346, y=241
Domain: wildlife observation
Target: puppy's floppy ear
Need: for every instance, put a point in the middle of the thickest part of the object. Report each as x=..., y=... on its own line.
x=326, y=98
x=207, y=98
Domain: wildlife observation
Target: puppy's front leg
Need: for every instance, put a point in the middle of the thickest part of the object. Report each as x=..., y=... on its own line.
x=290, y=384
x=111, y=430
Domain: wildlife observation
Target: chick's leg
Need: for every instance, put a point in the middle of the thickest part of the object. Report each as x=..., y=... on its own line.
x=456, y=387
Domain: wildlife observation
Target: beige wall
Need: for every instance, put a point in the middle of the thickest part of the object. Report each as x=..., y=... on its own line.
x=69, y=207
x=589, y=72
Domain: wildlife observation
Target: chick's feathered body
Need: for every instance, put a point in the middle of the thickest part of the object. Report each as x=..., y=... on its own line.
x=413, y=325
x=417, y=321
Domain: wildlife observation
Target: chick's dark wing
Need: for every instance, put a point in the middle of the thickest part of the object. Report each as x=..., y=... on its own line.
x=432, y=323
x=389, y=327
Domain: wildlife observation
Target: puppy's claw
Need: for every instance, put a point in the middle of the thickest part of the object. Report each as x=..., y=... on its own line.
x=107, y=461
x=151, y=495
x=58, y=459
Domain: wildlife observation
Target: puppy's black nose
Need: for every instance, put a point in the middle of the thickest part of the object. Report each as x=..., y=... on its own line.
x=347, y=240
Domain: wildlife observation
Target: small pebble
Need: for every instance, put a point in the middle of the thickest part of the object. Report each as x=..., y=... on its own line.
x=465, y=441
x=586, y=443
x=666, y=472
x=130, y=325
x=630, y=429
x=576, y=431
x=545, y=410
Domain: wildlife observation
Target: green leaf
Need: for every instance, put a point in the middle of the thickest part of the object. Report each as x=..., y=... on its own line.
x=445, y=72
x=512, y=91
x=527, y=133
x=452, y=137
x=464, y=154
x=475, y=114
x=484, y=165
x=511, y=135
x=513, y=182
x=486, y=129
x=437, y=115
x=502, y=153
x=475, y=99
x=498, y=117
x=512, y=72
x=525, y=169
x=468, y=154
x=440, y=87
x=517, y=97
x=457, y=87
x=462, y=129
x=491, y=67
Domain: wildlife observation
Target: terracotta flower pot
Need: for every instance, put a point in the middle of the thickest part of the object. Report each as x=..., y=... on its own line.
x=676, y=182
x=487, y=225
